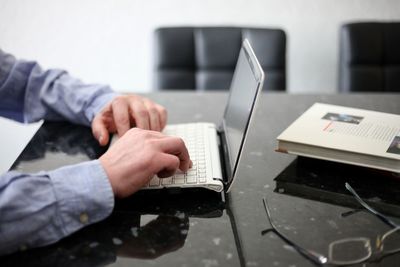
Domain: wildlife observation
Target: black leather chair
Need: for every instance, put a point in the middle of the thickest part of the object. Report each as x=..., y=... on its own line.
x=204, y=58
x=370, y=57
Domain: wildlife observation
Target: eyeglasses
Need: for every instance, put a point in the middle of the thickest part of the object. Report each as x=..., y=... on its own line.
x=347, y=251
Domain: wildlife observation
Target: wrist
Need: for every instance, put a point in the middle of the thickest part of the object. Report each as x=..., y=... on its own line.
x=107, y=167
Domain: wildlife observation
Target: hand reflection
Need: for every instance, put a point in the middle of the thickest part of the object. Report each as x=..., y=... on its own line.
x=100, y=244
x=162, y=235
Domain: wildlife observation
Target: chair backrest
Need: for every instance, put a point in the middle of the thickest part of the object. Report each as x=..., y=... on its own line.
x=204, y=58
x=370, y=57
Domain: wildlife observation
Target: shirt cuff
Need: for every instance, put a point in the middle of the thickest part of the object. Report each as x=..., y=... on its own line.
x=84, y=195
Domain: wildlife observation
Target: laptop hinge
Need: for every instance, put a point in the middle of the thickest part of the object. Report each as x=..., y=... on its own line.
x=223, y=158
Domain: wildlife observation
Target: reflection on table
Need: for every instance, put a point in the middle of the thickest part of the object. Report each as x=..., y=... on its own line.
x=325, y=181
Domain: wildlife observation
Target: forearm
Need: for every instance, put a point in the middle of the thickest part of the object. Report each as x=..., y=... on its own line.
x=40, y=209
x=51, y=94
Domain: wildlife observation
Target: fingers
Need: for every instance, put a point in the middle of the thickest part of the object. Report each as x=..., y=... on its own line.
x=120, y=110
x=140, y=114
x=176, y=146
x=162, y=112
x=148, y=115
x=154, y=118
x=173, y=147
x=138, y=155
x=170, y=165
x=126, y=111
x=99, y=130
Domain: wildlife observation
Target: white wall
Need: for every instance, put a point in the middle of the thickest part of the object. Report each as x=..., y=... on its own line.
x=110, y=41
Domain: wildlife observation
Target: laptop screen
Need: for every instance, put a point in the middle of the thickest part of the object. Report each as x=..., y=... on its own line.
x=246, y=83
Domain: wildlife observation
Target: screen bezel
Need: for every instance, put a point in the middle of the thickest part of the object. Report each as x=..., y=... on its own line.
x=258, y=75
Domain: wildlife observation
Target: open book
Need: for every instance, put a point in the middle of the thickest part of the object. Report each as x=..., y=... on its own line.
x=347, y=135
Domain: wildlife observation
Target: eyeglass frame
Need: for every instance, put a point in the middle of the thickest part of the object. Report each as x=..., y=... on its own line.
x=320, y=259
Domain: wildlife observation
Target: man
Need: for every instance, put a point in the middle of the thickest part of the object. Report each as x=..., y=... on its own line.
x=40, y=209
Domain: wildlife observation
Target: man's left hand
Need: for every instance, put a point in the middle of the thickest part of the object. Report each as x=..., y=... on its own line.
x=125, y=112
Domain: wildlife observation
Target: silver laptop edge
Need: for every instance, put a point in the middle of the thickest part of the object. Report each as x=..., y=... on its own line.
x=232, y=167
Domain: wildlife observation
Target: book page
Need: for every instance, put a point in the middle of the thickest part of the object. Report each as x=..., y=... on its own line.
x=14, y=136
x=348, y=129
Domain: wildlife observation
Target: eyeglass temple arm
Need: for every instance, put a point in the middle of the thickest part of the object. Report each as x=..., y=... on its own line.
x=311, y=255
x=369, y=208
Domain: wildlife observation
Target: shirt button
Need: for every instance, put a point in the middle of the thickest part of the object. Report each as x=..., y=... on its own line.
x=84, y=218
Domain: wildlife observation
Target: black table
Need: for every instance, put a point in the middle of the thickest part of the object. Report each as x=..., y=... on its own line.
x=307, y=198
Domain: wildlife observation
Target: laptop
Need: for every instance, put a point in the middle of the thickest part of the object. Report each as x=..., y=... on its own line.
x=216, y=150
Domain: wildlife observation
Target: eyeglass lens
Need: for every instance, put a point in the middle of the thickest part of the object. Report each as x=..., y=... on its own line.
x=350, y=250
x=391, y=241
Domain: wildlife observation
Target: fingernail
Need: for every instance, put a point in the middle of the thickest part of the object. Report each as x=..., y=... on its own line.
x=100, y=139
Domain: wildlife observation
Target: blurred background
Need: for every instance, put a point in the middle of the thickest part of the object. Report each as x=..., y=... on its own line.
x=104, y=41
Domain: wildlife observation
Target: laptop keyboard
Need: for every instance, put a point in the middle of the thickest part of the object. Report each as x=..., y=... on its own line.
x=195, y=138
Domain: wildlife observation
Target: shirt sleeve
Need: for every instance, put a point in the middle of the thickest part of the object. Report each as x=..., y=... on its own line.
x=40, y=209
x=48, y=94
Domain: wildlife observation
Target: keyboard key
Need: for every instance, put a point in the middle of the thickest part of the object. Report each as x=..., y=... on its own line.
x=155, y=181
x=166, y=181
x=191, y=179
x=179, y=176
x=192, y=171
x=179, y=180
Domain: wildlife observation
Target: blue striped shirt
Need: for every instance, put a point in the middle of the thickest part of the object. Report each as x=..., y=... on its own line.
x=40, y=209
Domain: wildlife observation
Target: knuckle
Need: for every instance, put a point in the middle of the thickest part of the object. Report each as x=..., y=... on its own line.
x=153, y=110
x=118, y=99
x=122, y=120
x=143, y=113
x=151, y=143
x=163, y=111
x=179, y=141
x=149, y=138
x=132, y=97
x=135, y=132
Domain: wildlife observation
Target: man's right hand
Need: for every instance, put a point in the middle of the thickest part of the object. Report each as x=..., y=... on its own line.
x=139, y=155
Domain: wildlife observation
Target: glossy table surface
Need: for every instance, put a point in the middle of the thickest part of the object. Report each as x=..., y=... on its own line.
x=307, y=197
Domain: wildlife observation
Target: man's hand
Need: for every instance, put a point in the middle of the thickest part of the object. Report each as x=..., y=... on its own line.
x=127, y=111
x=139, y=155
